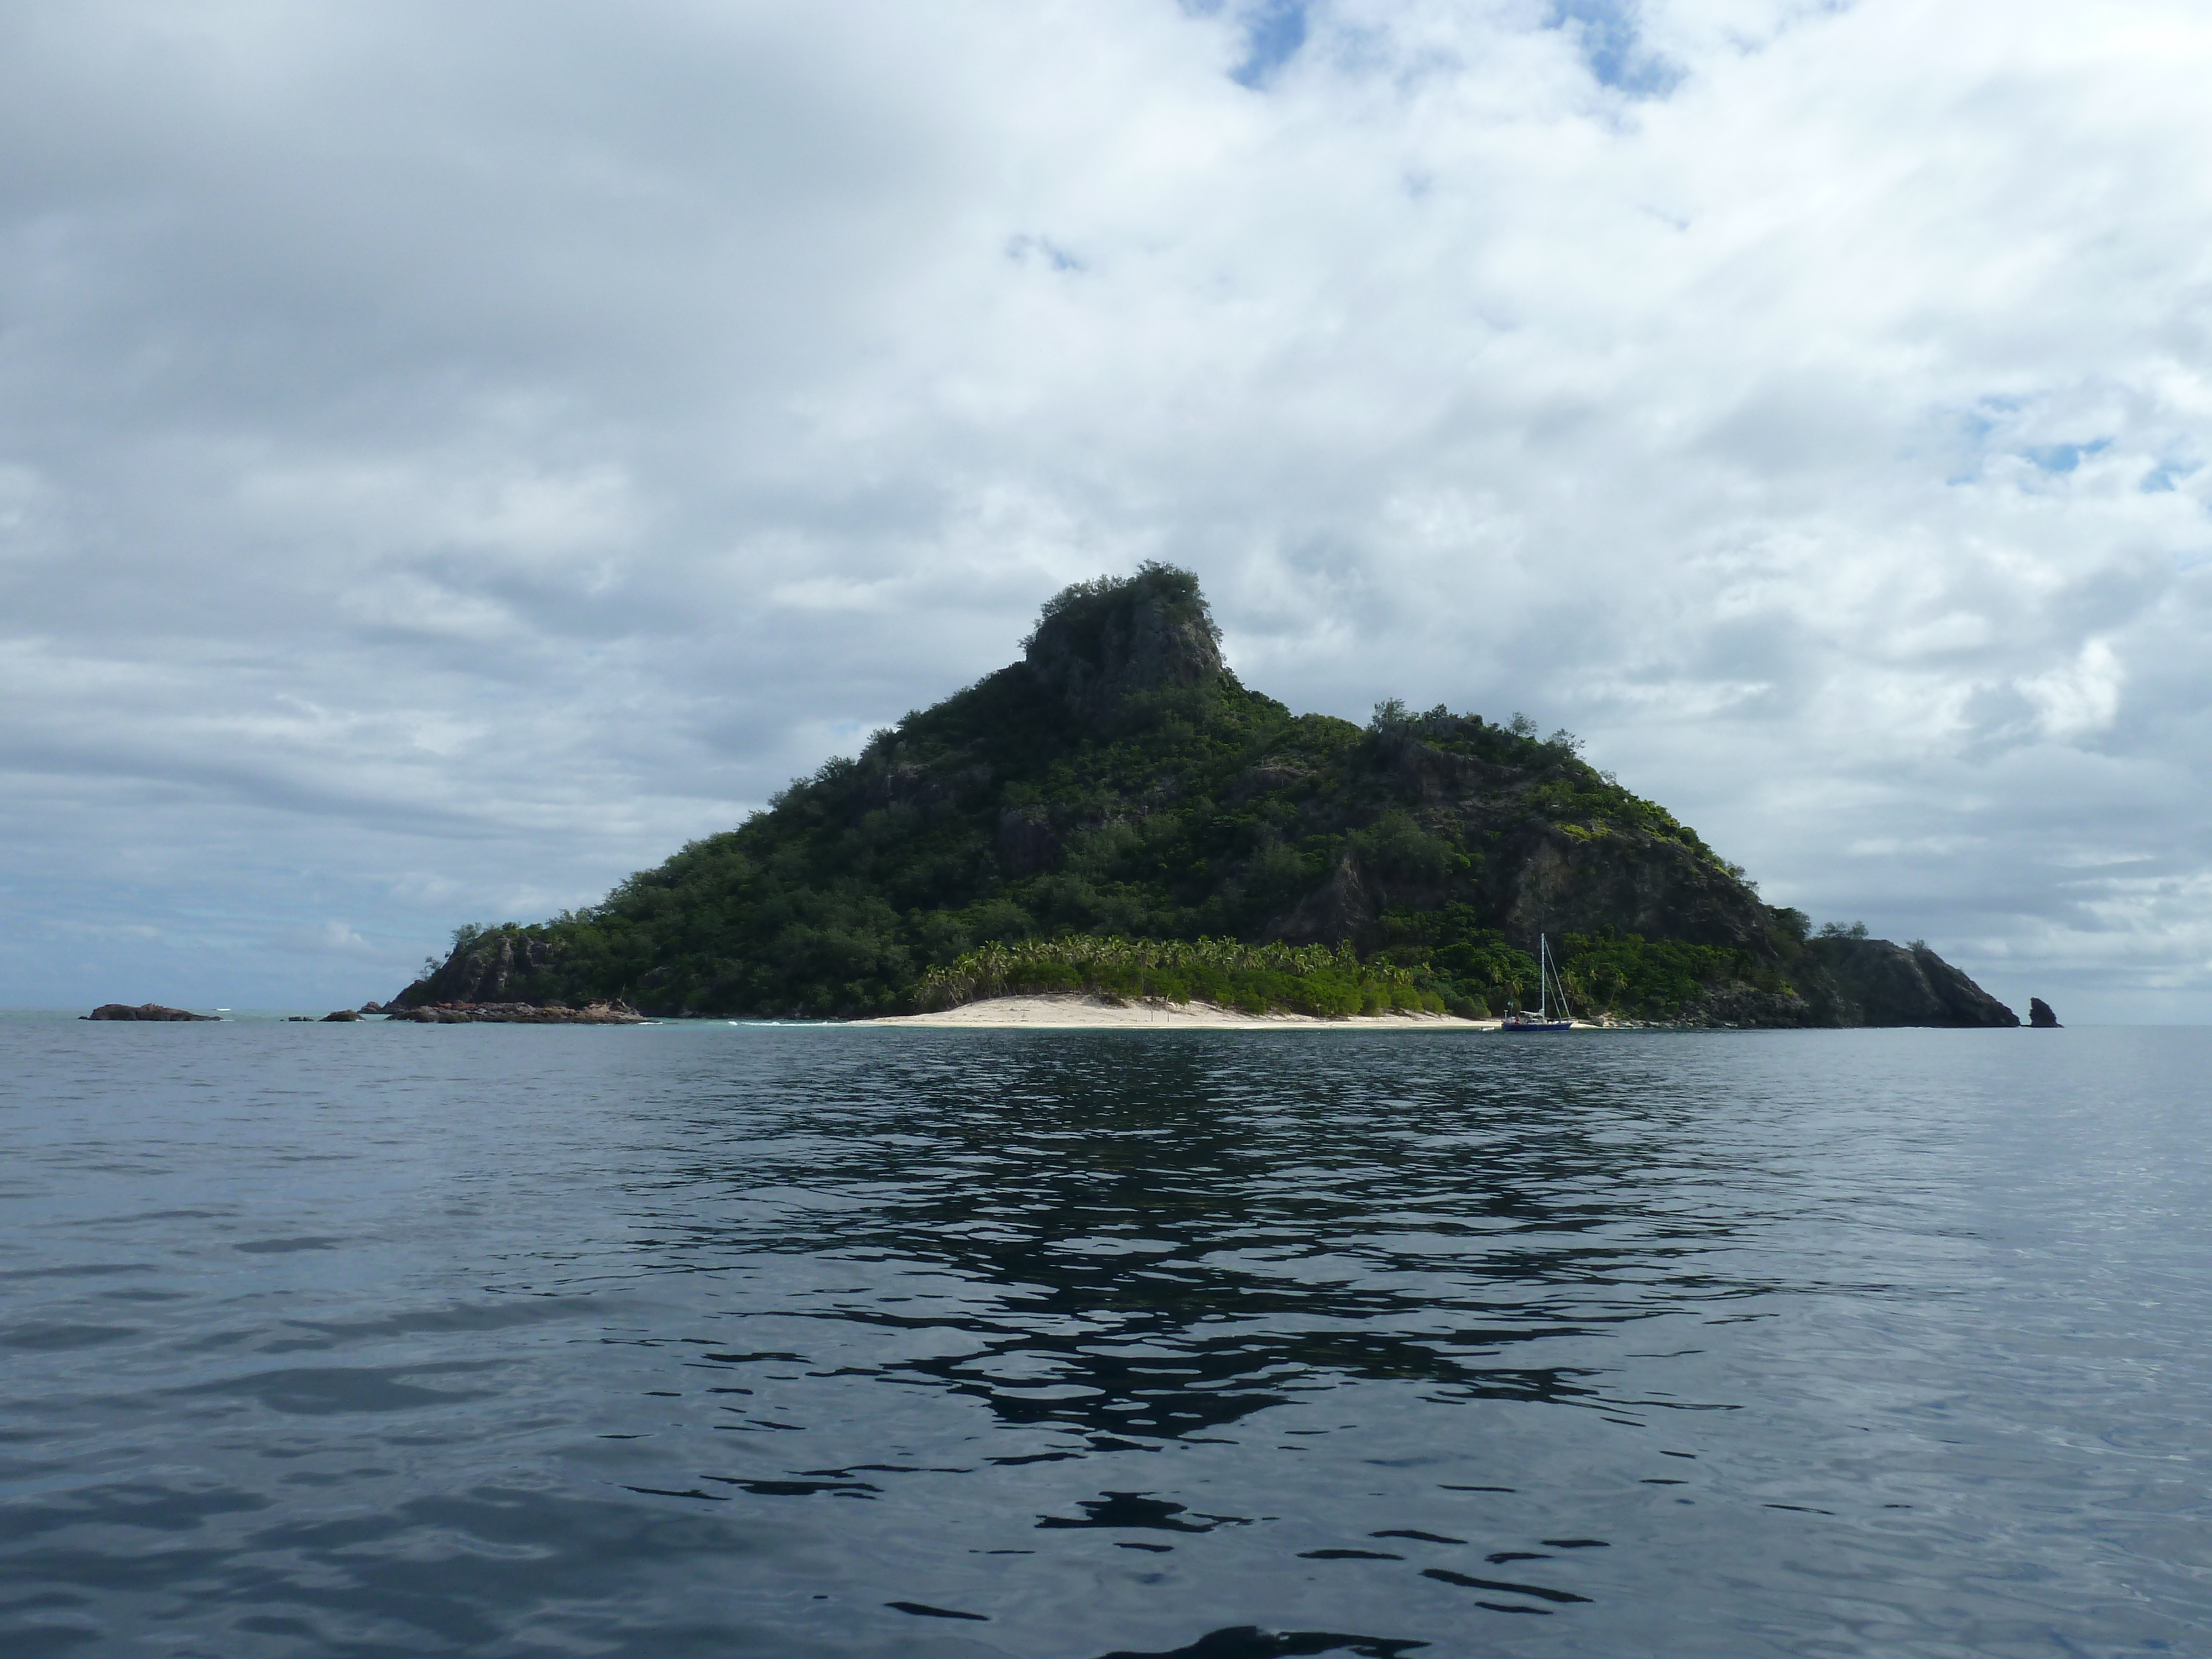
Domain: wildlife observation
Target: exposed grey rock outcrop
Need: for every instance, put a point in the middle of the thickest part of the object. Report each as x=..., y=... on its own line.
x=1745, y=1006
x=1547, y=880
x=341, y=1017
x=517, y=1013
x=1099, y=643
x=477, y=972
x=1026, y=843
x=1340, y=909
x=1871, y=982
x=143, y=1011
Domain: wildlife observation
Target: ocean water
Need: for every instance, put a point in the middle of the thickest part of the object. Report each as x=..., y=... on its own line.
x=715, y=1339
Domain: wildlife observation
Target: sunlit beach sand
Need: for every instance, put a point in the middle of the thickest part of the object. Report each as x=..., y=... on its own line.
x=1071, y=1012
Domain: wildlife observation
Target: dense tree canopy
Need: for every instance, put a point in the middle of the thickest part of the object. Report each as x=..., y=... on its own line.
x=1120, y=783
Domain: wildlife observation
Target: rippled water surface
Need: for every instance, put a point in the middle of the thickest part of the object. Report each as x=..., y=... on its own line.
x=708, y=1340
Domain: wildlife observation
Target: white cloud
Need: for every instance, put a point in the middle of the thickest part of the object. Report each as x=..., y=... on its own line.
x=454, y=456
x=331, y=938
x=2081, y=699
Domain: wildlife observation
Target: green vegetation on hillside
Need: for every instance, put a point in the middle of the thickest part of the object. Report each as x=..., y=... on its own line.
x=1067, y=819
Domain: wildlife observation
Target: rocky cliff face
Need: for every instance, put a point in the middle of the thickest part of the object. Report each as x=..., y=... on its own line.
x=1546, y=847
x=1871, y=982
x=1552, y=882
x=482, y=968
x=1345, y=907
x=1099, y=643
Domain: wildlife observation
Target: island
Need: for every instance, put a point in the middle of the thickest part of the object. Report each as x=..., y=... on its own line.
x=1117, y=816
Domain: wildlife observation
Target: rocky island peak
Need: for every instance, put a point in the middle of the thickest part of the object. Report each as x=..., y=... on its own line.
x=1116, y=810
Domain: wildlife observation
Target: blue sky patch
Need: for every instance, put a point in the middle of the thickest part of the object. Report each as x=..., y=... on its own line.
x=1273, y=32
x=1612, y=42
x=1021, y=248
x=2064, y=457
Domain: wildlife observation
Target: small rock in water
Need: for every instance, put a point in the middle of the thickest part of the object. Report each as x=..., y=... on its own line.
x=340, y=1016
x=143, y=1011
x=2039, y=1016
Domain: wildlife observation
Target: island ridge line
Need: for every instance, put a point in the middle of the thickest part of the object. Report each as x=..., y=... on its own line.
x=1117, y=814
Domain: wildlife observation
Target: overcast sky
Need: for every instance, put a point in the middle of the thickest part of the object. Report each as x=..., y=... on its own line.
x=451, y=455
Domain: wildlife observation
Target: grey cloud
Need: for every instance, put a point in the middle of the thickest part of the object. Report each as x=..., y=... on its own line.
x=450, y=457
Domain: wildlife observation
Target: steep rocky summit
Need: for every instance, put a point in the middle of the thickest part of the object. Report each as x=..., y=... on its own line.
x=1099, y=644
x=1120, y=783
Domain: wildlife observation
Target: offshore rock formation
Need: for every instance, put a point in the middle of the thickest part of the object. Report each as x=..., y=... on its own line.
x=1120, y=780
x=143, y=1011
x=518, y=1013
x=2039, y=1015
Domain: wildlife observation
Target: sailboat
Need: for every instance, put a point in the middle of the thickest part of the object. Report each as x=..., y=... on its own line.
x=1547, y=985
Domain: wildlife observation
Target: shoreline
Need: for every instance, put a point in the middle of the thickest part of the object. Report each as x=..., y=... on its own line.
x=1072, y=1012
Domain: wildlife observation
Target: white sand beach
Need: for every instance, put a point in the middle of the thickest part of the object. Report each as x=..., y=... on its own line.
x=1071, y=1012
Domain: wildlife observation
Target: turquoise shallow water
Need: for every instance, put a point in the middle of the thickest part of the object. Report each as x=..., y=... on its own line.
x=705, y=1339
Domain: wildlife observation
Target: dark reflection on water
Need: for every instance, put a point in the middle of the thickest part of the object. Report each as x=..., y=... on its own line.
x=725, y=1340
x=1163, y=1241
